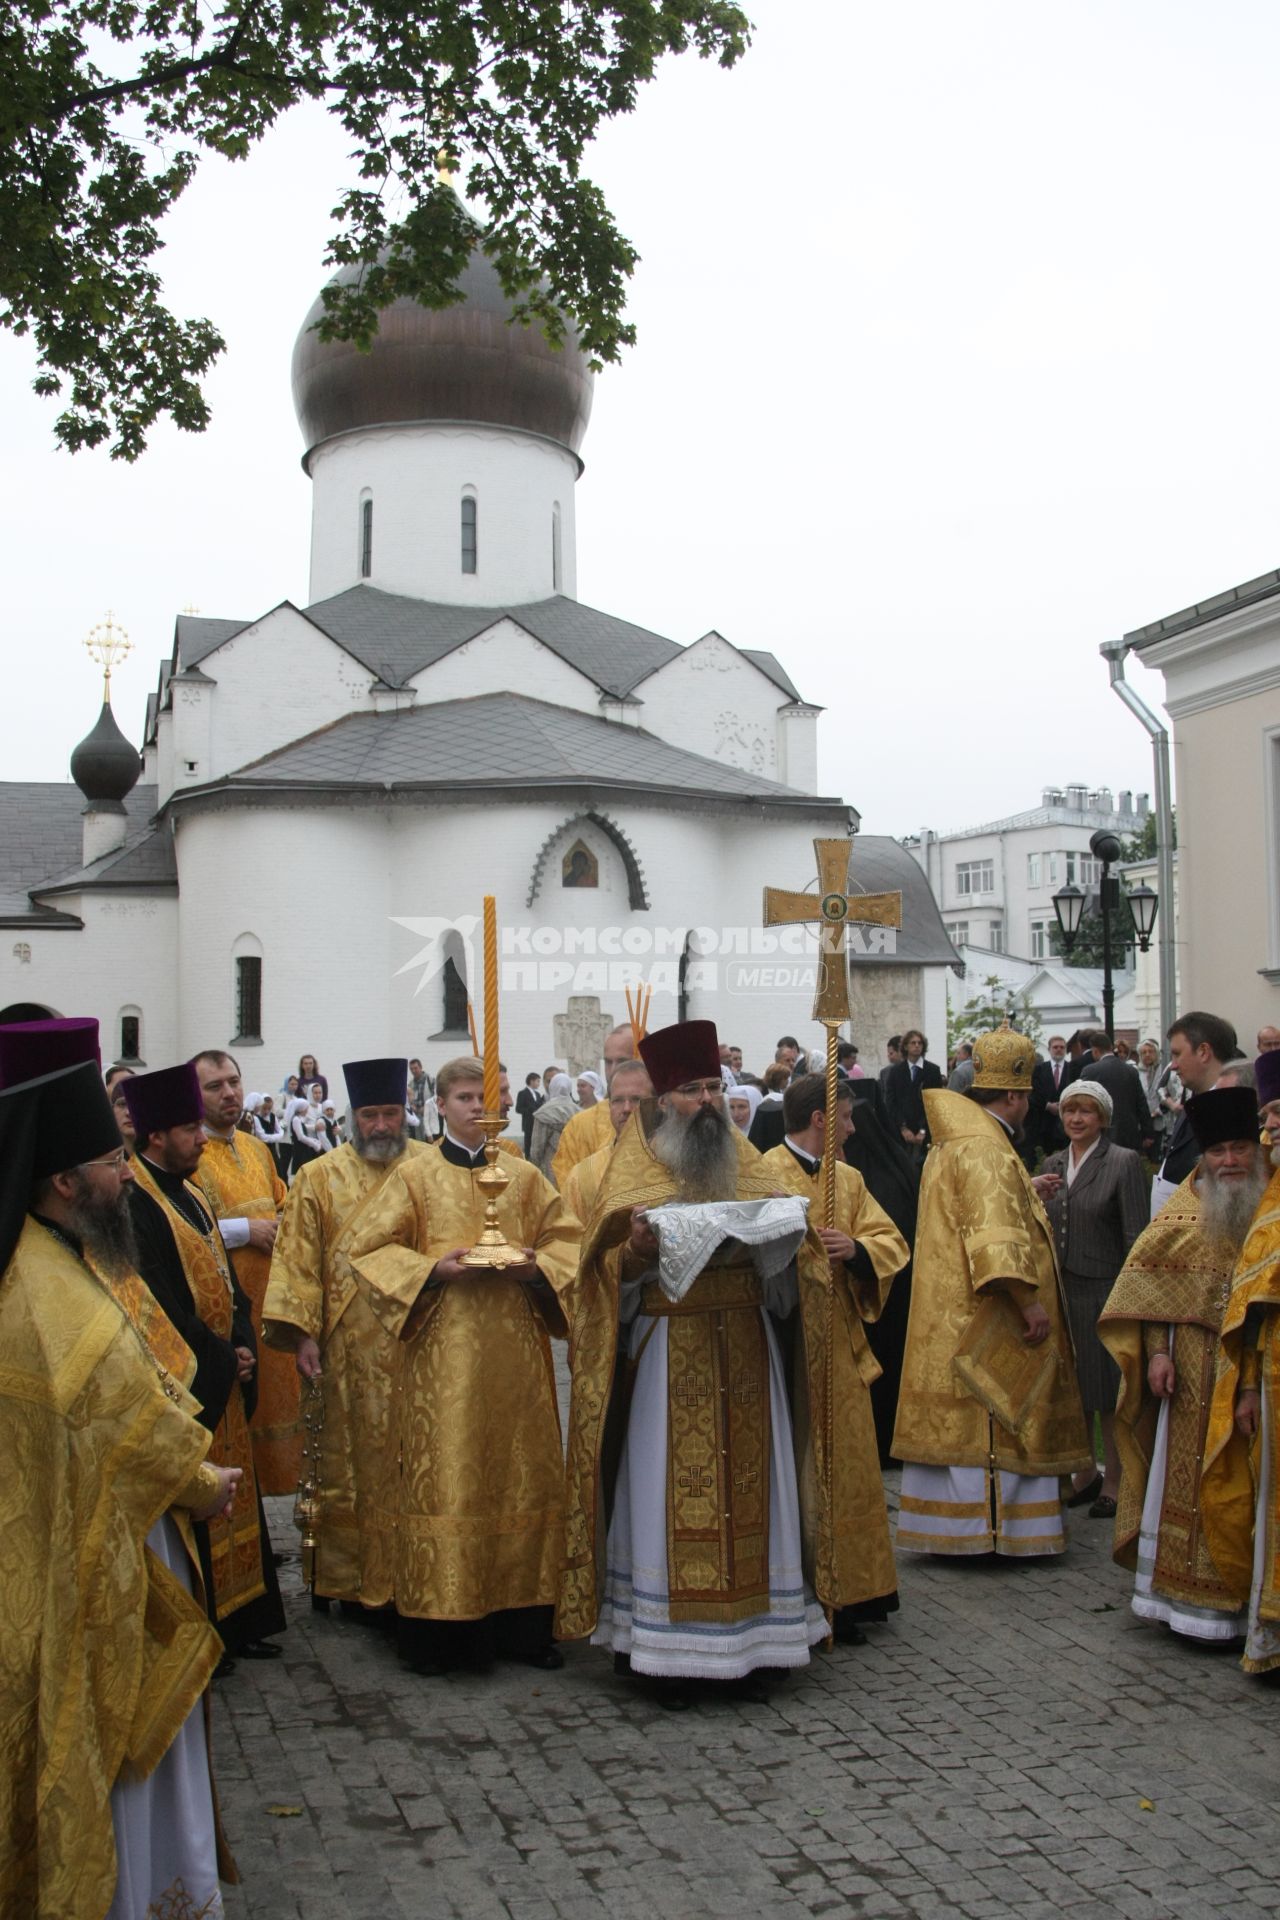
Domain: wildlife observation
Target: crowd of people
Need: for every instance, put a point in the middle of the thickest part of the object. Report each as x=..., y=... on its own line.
x=1033, y=1283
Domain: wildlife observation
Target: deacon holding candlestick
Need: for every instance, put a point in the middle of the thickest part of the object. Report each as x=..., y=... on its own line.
x=468, y=1266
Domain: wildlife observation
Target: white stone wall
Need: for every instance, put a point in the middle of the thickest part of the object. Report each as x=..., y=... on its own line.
x=711, y=701
x=416, y=477
x=507, y=659
x=123, y=961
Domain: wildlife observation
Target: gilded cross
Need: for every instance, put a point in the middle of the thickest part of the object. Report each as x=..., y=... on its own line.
x=834, y=907
x=691, y=1390
x=745, y=1479
x=746, y=1388
x=696, y=1481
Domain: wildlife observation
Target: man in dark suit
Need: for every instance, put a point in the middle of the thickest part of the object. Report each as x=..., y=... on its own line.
x=905, y=1088
x=528, y=1100
x=1049, y=1080
x=1131, y=1117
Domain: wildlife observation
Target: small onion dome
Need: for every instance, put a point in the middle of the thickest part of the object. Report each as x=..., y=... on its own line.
x=104, y=766
x=462, y=364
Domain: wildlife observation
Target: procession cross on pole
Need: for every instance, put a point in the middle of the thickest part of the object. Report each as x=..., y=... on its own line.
x=834, y=907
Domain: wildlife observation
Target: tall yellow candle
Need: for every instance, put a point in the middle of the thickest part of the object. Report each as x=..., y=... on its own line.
x=491, y=1069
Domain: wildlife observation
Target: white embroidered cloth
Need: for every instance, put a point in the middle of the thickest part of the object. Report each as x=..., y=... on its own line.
x=687, y=1236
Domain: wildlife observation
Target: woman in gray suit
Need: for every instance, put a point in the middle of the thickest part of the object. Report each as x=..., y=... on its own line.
x=1096, y=1212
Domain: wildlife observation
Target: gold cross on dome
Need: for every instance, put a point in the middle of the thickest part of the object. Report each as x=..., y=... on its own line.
x=834, y=906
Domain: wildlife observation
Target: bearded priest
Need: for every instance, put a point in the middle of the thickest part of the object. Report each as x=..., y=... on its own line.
x=720, y=1558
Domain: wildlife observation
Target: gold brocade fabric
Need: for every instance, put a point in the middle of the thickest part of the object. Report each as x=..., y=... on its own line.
x=581, y=1184
x=104, y=1653
x=634, y=1177
x=1174, y=1277
x=1228, y=1488
x=860, y=1533
x=478, y=1514
x=981, y=1225
x=585, y=1134
x=239, y=1176
x=235, y=1540
x=313, y=1289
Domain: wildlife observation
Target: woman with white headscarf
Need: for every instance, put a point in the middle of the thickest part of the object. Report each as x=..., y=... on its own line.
x=1097, y=1211
x=550, y=1121
x=742, y=1103
x=590, y=1088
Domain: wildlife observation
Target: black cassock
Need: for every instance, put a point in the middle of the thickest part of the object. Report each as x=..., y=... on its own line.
x=893, y=1181
x=160, y=1265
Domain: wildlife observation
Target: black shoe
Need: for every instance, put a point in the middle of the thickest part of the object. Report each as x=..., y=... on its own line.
x=225, y=1668
x=259, y=1650
x=1103, y=1508
x=1086, y=1494
x=549, y=1659
x=669, y=1692
x=849, y=1634
x=427, y=1669
x=320, y=1603
x=753, y=1689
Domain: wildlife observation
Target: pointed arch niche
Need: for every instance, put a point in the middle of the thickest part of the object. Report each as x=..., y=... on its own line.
x=600, y=836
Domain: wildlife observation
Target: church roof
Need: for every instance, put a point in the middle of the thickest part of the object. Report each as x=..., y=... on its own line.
x=882, y=865
x=506, y=740
x=396, y=637
x=40, y=843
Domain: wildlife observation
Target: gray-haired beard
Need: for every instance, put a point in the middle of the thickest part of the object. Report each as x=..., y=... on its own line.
x=1227, y=1206
x=698, y=1149
x=380, y=1151
x=103, y=1227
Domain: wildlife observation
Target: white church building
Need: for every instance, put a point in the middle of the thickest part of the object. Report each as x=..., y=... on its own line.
x=444, y=719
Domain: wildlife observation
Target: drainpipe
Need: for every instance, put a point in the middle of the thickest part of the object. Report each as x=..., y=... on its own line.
x=1113, y=652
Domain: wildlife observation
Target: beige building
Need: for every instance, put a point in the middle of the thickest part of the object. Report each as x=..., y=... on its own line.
x=1221, y=667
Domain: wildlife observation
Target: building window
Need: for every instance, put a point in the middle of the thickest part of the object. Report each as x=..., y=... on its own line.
x=470, y=535
x=1053, y=869
x=959, y=932
x=975, y=876
x=366, y=538
x=1039, y=940
x=996, y=940
x=130, y=1037
x=249, y=997
x=1033, y=869
x=555, y=548
x=1070, y=861
x=455, y=998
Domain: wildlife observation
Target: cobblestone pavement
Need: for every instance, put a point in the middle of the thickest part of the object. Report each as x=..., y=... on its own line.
x=1013, y=1742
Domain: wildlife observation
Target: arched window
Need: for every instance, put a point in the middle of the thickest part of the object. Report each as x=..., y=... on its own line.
x=366, y=536
x=130, y=1053
x=246, y=954
x=555, y=548
x=470, y=533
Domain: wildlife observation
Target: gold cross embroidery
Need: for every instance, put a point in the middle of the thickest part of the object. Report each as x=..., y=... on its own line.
x=691, y=1390
x=746, y=1388
x=695, y=1481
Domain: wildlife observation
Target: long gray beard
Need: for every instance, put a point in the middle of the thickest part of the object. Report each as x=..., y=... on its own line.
x=698, y=1150
x=104, y=1229
x=380, y=1151
x=1227, y=1206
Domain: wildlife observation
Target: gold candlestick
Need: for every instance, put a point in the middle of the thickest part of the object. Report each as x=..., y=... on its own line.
x=493, y=1249
x=306, y=1506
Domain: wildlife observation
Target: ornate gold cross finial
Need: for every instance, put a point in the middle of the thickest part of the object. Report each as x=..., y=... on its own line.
x=108, y=644
x=834, y=907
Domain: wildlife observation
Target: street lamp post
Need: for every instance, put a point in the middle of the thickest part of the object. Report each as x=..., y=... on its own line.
x=1069, y=904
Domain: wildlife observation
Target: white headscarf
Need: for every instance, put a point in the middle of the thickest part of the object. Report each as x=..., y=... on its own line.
x=752, y=1095
x=561, y=1085
x=594, y=1081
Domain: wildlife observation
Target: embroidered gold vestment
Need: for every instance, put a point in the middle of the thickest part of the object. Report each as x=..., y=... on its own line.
x=718, y=1411
x=1248, y=1354
x=1176, y=1277
x=981, y=1225
x=239, y=1176
x=861, y=1544
x=585, y=1134
x=478, y=1508
x=313, y=1289
x=581, y=1184
x=104, y=1653
x=235, y=1540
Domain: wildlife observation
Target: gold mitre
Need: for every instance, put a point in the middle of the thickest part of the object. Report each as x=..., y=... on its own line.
x=1002, y=1060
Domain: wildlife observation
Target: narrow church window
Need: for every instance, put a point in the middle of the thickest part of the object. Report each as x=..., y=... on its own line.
x=366, y=538
x=469, y=534
x=555, y=547
x=455, y=998
x=130, y=1036
x=249, y=997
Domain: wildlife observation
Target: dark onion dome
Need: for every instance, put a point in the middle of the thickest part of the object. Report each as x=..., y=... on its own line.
x=465, y=363
x=104, y=766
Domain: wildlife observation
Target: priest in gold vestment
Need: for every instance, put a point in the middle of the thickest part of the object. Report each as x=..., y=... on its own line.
x=106, y=1799
x=629, y=1086
x=989, y=1414
x=247, y=1194
x=316, y=1309
x=1161, y=1325
x=866, y=1251
x=592, y=1129
x=706, y=1537
x=1240, y=1493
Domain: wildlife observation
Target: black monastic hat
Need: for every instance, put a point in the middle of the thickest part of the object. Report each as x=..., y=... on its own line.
x=48, y=1125
x=376, y=1083
x=1224, y=1113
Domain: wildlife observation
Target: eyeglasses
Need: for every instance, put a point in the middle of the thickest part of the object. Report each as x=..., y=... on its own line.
x=695, y=1087
x=115, y=1160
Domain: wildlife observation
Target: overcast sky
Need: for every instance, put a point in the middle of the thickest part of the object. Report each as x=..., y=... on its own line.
x=956, y=341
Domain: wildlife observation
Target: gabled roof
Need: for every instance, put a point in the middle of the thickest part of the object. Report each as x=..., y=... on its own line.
x=145, y=860
x=40, y=844
x=396, y=637
x=504, y=741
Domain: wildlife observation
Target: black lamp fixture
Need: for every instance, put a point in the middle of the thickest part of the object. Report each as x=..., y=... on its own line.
x=1144, y=904
x=1069, y=905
